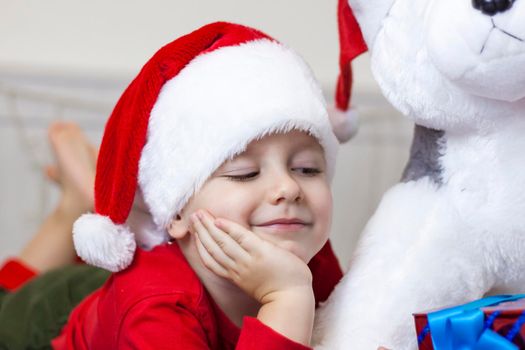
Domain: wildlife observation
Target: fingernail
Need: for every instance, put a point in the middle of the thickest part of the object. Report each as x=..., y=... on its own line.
x=200, y=215
x=218, y=223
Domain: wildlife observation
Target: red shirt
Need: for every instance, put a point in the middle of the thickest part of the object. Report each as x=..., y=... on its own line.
x=160, y=303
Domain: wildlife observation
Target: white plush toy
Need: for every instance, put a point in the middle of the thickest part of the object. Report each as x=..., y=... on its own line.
x=453, y=229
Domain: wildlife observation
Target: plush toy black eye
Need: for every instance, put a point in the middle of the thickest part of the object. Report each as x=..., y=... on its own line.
x=491, y=7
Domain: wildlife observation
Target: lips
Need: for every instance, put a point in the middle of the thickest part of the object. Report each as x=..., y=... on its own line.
x=284, y=221
x=285, y=224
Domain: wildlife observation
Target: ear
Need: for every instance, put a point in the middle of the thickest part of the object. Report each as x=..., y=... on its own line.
x=179, y=227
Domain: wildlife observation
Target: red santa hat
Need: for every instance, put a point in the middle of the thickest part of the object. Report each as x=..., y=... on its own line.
x=197, y=102
x=351, y=45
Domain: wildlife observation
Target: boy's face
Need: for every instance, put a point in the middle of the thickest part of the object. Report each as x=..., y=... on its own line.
x=280, y=177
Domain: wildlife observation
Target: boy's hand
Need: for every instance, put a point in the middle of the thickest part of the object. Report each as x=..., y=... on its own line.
x=278, y=279
x=260, y=268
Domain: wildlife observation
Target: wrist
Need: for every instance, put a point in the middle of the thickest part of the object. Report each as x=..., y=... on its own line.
x=292, y=294
x=290, y=313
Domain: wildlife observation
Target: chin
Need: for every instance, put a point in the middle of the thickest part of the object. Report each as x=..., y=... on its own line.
x=293, y=248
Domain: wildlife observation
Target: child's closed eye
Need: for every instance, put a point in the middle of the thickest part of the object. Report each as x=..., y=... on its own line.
x=242, y=177
x=308, y=171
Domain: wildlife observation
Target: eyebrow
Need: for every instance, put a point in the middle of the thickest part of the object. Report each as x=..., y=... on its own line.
x=299, y=146
x=317, y=150
x=314, y=146
x=246, y=154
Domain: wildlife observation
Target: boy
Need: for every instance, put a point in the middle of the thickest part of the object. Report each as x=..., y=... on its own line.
x=222, y=122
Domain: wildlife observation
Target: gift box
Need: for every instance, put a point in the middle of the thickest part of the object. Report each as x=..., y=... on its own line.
x=491, y=323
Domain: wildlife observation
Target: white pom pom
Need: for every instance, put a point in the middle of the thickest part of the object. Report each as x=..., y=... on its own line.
x=100, y=242
x=344, y=123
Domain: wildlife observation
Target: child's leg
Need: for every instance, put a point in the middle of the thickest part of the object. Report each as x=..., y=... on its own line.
x=34, y=314
x=52, y=245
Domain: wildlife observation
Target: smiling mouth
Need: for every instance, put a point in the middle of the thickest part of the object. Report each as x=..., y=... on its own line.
x=495, y=27
x=283, y=227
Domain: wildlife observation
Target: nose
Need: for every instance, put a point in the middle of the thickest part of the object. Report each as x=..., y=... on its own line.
x=285, y=188
x=491, y=7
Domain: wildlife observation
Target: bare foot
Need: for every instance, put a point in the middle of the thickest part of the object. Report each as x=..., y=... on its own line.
x=75, y=165
x=74, y=172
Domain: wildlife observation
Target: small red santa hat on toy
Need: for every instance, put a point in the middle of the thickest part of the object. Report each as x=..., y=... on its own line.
x=351, y=44
x=197, y=102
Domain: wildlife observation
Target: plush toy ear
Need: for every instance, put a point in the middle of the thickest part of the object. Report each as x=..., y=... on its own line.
x=351, y=45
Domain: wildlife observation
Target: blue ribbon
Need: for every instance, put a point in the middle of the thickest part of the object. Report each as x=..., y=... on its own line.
x=462, y=327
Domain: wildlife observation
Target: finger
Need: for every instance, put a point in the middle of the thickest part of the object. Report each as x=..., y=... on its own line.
x=248, y=240
x=230, y=246
x=212, y=247
x=208, y=261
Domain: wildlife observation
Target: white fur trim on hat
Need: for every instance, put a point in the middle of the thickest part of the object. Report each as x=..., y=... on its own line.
x=100, y=242
x=214, y=107
x=344, y=123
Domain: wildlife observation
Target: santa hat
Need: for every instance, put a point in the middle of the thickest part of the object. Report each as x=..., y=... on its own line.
x=351, y=44
x=197, y=102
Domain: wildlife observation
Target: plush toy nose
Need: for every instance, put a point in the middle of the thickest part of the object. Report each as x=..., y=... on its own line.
x=491, y=7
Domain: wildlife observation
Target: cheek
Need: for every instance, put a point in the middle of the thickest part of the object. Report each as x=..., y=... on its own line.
x=234, y=206
x=321, y=204
x=323, y=210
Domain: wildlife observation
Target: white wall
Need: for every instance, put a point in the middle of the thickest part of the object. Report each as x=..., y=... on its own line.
x=70, y=60
x=116, y=37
